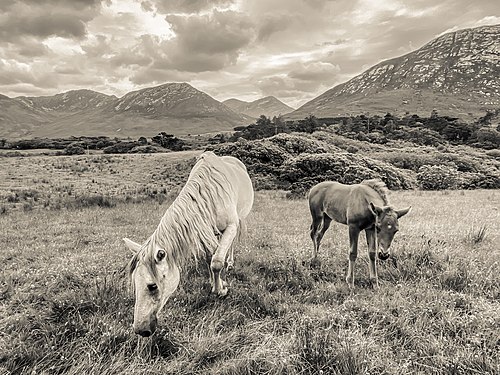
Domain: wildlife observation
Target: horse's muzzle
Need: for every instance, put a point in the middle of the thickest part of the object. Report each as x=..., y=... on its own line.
x=383, y=256
x=146, y=330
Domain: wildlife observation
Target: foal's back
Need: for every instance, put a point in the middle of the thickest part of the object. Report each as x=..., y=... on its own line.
x=346, y=204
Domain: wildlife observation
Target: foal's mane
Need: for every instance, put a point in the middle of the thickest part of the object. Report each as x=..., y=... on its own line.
x=188, y=227
x=380, y=187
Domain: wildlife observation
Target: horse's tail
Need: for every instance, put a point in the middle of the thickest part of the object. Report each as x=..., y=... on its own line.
x=242, y=230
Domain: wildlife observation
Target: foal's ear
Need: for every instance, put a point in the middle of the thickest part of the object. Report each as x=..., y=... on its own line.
x=403, y=212
x=376, y=209
x=132, y=246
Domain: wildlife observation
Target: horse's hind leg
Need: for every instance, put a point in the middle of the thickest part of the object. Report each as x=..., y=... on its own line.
x=371, y=240
x=219, y=286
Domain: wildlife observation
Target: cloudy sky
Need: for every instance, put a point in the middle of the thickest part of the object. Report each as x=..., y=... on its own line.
x=292, y=49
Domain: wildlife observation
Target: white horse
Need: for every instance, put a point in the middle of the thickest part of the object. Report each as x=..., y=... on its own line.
x=203, y=220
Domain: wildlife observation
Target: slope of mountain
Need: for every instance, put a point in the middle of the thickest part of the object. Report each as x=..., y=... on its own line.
x=268, y=106
x=456, y=74
x=71, y=101
x=176, y=108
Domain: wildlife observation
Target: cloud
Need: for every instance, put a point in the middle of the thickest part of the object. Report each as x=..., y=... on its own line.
x=44, y=19
x=185, y=6
x=272, y=24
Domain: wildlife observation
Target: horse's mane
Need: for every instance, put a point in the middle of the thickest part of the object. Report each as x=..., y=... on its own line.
x=188, y=227
x=380, y=187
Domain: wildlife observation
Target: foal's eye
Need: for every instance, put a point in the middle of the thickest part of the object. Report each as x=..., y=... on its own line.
x=152, y=287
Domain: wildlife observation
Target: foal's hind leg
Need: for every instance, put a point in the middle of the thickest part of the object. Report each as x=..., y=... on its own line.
x=318, y=229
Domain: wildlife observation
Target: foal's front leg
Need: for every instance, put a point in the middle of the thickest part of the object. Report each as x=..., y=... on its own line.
x=353, y=253
x=371, y=239
x=219, y=286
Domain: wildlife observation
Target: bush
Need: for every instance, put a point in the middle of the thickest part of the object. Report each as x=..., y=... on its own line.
x=120, y=148
x=307, y=170
x=74, y=149
x=437, y=177
x=146, y=149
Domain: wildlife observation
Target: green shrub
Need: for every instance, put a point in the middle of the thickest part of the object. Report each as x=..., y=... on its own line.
x=438, y=177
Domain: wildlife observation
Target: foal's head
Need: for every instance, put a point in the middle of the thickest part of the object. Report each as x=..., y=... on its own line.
x=386, y=224
x=154, y=279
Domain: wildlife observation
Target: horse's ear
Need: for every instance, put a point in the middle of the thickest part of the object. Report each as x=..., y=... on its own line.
x=376, y=209
x=132, y=246
x=403, y=212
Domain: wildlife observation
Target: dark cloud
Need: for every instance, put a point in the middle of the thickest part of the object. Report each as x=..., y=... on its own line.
x=272, y=24
x=219, y=32
x=66, y=19
x=201, y=43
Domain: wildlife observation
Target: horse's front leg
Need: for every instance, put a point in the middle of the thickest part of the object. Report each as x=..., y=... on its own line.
x=371, y=240
x=219, y=286
x=353, y=253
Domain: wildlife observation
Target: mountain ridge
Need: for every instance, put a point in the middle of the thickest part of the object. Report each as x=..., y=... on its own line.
x=456, y=70
x=269, y=106
x=176, y=108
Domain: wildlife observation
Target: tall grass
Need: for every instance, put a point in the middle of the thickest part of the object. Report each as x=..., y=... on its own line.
x=65, y=306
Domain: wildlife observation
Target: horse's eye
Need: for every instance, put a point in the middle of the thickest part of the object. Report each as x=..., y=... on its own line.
x=152, y=287
x=161, y=254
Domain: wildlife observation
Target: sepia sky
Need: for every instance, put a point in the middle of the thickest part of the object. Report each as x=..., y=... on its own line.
x=247, y=49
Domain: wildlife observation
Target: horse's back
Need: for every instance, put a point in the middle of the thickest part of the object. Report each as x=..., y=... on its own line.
x=237, y=176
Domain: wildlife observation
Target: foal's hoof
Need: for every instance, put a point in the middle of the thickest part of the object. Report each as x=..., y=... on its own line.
x=315, y=263
x=229, y=267
x=350, y=282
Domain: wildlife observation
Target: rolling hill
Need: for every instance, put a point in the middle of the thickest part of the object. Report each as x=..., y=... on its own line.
x=457, y=74
x=268, y=106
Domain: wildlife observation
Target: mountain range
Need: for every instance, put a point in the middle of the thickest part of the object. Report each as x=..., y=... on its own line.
x=176, y=108
x=457, y=74
x=268, y=106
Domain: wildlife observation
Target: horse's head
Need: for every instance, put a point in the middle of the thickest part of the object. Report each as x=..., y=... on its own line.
x=386, y=224
x=154, y=279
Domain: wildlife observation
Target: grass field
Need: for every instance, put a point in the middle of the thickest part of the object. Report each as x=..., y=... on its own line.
x=65, y=306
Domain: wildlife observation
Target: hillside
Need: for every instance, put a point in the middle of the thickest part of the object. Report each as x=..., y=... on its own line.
x=176, y=108
x=456, y=74
x=268, y=106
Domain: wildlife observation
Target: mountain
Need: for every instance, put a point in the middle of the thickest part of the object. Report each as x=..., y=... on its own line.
x=176, y=108
x=268, y=106
x=71, y=101
x=457, y=74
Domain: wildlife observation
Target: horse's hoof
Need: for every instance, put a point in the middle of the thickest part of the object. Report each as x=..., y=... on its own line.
x=223, y=292
x=229, y=267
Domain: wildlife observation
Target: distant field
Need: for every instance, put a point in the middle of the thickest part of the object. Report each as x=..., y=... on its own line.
x=65, y=306
x=51, y=182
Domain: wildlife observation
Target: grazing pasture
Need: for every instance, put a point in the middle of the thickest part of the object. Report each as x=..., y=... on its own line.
x=65, y=304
